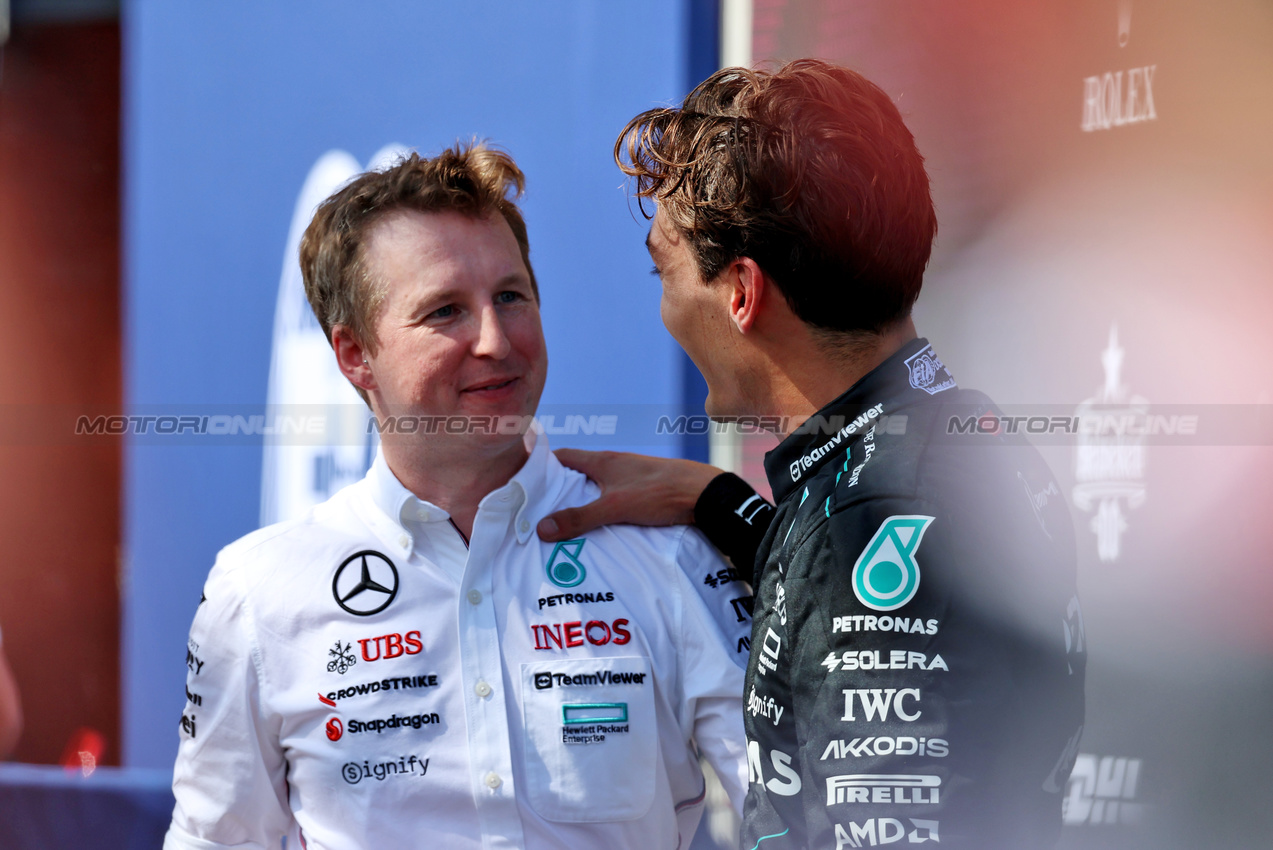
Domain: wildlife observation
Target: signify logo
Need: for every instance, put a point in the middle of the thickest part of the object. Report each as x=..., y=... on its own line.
x=353, y=772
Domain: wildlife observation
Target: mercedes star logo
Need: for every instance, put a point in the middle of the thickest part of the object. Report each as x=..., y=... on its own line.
x=365, y=583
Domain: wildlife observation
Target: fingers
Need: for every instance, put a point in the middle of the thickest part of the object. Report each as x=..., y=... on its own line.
x=582, y=460
x=570, y=523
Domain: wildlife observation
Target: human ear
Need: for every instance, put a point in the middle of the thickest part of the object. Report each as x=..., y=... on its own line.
x=749, y=289
x=352, y=357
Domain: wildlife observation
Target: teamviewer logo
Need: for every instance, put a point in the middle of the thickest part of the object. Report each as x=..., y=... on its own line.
x=543, y=681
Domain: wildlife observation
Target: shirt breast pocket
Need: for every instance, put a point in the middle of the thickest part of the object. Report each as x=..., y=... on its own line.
x=591, y=738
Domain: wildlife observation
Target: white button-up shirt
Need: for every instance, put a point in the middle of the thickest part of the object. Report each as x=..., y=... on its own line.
x=370, y=679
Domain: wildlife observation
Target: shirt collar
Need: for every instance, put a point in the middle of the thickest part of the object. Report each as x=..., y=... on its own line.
x=520, y=498
x=910, y=375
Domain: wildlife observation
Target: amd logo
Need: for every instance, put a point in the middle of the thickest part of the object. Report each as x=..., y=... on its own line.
x=878, y=831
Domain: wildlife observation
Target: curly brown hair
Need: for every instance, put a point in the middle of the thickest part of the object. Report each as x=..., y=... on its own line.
x=809, y=171
x=473, y=179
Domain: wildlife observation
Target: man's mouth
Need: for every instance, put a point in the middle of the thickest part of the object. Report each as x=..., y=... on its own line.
x=490, y=386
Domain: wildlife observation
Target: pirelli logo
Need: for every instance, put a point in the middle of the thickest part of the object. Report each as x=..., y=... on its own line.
x=883, y=788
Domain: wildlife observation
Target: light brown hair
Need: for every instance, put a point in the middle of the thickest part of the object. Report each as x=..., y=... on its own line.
x=473, y=179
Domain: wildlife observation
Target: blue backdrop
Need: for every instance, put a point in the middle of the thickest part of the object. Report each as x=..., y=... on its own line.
x=228, y=105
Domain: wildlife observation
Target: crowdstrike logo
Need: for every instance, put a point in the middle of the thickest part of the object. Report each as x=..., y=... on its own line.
x=393, y=683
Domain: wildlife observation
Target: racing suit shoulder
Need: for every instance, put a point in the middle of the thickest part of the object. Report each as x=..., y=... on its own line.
x=918, y=635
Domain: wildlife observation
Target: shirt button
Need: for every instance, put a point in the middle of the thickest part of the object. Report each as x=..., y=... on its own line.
x=423, y=514
x=493, y=781
x=484, y=690
x=404, y=541
x=525, y=526
x=475, y=596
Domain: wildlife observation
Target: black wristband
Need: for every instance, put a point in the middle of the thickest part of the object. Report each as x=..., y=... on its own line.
x=735, y=518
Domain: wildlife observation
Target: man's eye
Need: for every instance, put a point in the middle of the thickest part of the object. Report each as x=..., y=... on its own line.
x=444, y=312
x=508, y=297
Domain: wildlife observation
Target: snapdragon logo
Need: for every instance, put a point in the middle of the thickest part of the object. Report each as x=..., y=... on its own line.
x=397, y=721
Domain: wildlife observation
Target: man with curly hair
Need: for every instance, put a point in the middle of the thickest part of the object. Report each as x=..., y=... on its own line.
x=917, y=656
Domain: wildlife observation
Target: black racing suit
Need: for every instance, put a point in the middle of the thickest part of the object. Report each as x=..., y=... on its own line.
x=917, y=649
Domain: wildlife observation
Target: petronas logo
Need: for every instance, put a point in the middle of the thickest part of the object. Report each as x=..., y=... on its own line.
x=886, y=576
x=563, y=567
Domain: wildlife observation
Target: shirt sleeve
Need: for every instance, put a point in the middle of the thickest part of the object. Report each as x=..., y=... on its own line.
x=714, y=640
x=229, y=779
x=735, y=518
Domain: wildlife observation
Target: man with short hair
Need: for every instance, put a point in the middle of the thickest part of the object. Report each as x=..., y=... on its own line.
x=408, y=665
x=917, y=655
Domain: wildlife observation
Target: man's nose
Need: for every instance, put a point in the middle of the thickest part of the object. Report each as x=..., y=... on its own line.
x=491, y=340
